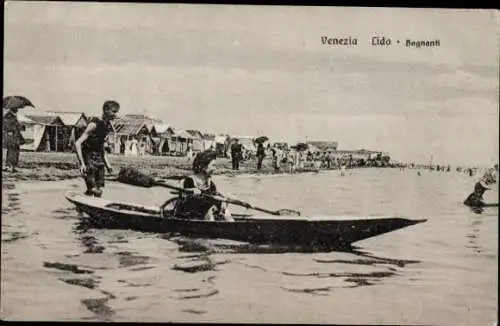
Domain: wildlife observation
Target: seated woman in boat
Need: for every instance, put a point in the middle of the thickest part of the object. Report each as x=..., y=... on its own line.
x=195, y=205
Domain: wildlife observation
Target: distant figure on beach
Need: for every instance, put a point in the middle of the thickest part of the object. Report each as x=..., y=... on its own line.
x=236, y=154
x=122, y=146
x=342, y=169
x=47, y=142
x=291, y=160
x=134, y=146
x=90, y=149
x=300, y=160
x=142, y=147
x=195, y=205
x=261, y=154
x=475, y=199
x=189, y=152
x=276, y=158
x=12, y=139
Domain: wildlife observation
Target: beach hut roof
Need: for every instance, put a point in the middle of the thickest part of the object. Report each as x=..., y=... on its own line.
x=129, y=128
x=161, y=128
x=208, y=136
x=181, y=134
x=46, y=120
x=221, y=139
x=242, y=137
x=140, y=117
x=71, y=118
x=324, y=145
x=195, y=133
x=136, y=116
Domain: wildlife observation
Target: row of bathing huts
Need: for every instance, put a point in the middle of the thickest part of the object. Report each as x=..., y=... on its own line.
x=135, y=134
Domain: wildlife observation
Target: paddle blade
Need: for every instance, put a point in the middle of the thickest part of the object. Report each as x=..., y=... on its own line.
x=132, y=176
x=288, y=212
x=174, y=177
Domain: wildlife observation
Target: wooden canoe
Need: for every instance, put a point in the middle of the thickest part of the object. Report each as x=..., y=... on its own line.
x=321, y=232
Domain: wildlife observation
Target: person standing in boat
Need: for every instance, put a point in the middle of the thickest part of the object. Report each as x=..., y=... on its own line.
x=195, y=205
x=90, y=149
x=489, y=178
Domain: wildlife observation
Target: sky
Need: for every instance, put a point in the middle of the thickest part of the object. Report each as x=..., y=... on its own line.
x=263, y=70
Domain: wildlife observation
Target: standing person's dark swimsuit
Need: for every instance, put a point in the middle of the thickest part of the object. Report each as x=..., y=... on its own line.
x=90, y=149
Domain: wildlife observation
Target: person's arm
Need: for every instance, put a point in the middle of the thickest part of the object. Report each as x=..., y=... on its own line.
x=78, y=145
x=105, y=156
x=106, y=163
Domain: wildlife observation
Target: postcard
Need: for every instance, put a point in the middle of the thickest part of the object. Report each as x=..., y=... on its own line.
x=245, y=163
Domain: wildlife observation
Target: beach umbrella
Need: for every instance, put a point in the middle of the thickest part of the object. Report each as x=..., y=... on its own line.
x=16, y=102
x=302, y=147
x=261, y=139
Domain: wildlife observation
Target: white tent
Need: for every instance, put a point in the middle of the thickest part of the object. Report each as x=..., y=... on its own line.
x=42, y=133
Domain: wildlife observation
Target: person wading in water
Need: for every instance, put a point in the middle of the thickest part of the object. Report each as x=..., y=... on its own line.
x=90, y=149
x=197, y=206
x=475, y=199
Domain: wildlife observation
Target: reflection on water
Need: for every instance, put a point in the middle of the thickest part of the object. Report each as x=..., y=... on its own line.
x=187, y=244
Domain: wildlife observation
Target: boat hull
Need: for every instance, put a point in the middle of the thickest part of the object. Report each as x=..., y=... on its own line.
x=330, y=233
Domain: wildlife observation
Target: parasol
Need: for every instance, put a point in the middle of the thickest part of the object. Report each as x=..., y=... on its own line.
x=261, y=139
x=302, y=146
x=16, y=102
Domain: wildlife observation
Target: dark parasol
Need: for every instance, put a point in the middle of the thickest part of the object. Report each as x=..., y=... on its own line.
x=302, y=147
x=261, y=139
x=16, y=102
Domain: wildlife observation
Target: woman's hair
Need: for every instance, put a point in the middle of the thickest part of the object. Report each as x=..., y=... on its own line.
x=108, y=105
x=202, y=160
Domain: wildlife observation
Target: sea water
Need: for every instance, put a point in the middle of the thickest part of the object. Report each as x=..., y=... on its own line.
x=442, y=272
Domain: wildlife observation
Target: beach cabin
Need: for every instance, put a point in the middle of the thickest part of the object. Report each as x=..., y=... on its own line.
x=172, y=141
x=196, y=140
x=222, y=145
x=74, y=126
x=209, y=141
x=178, y=141
x=42, y=133
x=131, y=138
x=324, y=146
x=163, y=133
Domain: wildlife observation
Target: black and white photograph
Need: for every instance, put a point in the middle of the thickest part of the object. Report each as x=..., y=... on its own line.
x=216, y=163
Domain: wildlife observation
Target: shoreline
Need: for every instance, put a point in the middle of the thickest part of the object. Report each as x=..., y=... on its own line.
x=40, y=166
x=57, y=166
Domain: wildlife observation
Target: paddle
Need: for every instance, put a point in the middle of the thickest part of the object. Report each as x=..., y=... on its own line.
x=134, y=177
x=114, y=177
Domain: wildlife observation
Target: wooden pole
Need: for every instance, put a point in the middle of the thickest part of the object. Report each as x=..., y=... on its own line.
x=56, y=139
